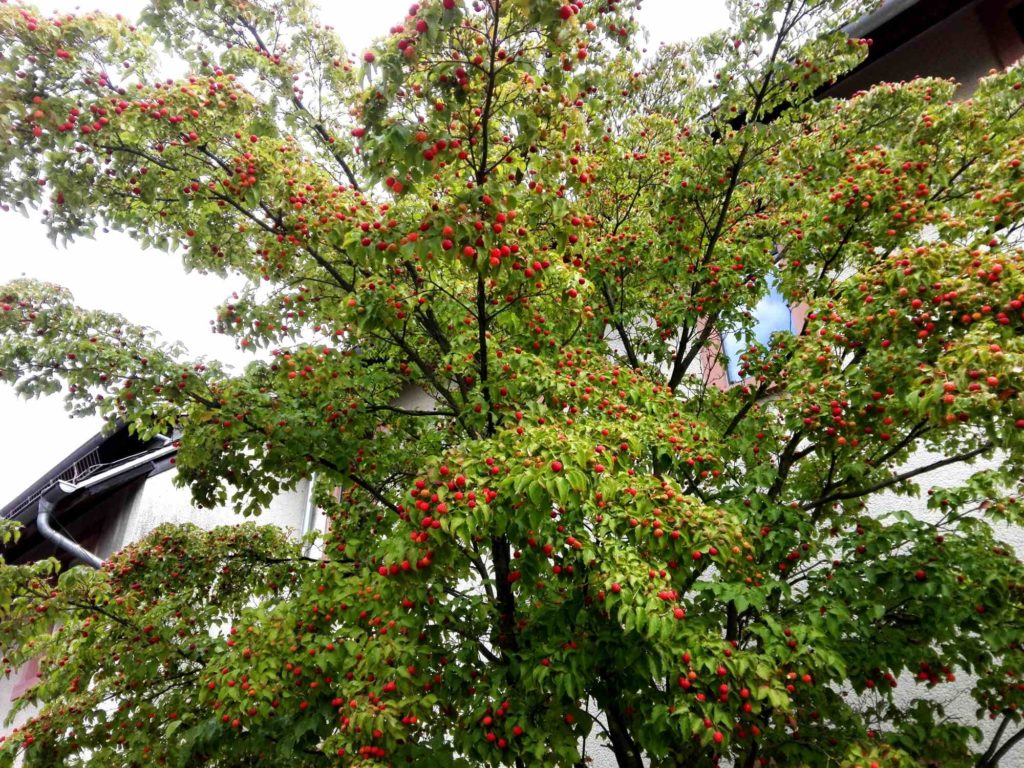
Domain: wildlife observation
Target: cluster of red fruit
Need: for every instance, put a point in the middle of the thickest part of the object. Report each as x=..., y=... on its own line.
x=489, y=723
x=407, y=37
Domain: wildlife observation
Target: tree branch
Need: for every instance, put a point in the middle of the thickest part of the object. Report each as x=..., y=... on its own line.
x=627, y=345
x=1010, y=743
x=786, y=461
x=895, y=480
x=317, y=126
x=682, y=362
x=627, y=755
x=994, y=745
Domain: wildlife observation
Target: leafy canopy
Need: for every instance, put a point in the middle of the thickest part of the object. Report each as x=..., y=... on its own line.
x=484, y=269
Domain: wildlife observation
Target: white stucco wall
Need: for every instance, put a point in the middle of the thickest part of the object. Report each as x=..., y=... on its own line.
x=956, y=697
x=600, y=755
x=159, y=501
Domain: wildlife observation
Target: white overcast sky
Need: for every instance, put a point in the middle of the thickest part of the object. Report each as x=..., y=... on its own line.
x=150, y=288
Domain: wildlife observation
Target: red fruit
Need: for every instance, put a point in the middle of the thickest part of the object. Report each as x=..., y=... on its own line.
x=556, y=466
x=616, y=587
x=920, y=575
x=717, y=737
x=369, y=57
x=565, y=12
x=448, y=4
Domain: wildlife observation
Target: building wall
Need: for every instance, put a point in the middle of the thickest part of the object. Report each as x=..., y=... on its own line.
x=158, y=501
x=10, y=688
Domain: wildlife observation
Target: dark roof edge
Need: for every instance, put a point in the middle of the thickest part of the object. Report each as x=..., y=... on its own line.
x=887, y=11
x=70, y=497
x=896, y=23
x=103, y=450
x=39, y=486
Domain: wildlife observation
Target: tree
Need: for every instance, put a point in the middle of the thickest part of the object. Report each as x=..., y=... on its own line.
x=504, y=206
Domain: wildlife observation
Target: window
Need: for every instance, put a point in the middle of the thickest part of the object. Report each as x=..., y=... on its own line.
x=771, y=314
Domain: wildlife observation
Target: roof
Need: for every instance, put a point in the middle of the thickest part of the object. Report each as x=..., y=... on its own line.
x=100, y=452
x=888, y=10
x=896, y=22
x=101, y=466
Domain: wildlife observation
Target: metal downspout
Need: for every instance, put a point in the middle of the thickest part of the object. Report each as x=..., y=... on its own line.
x=62, y=490
x=309, y=515
x=48, y=502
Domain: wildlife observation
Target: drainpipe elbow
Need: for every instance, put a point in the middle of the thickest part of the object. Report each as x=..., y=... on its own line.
x=48, y=503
